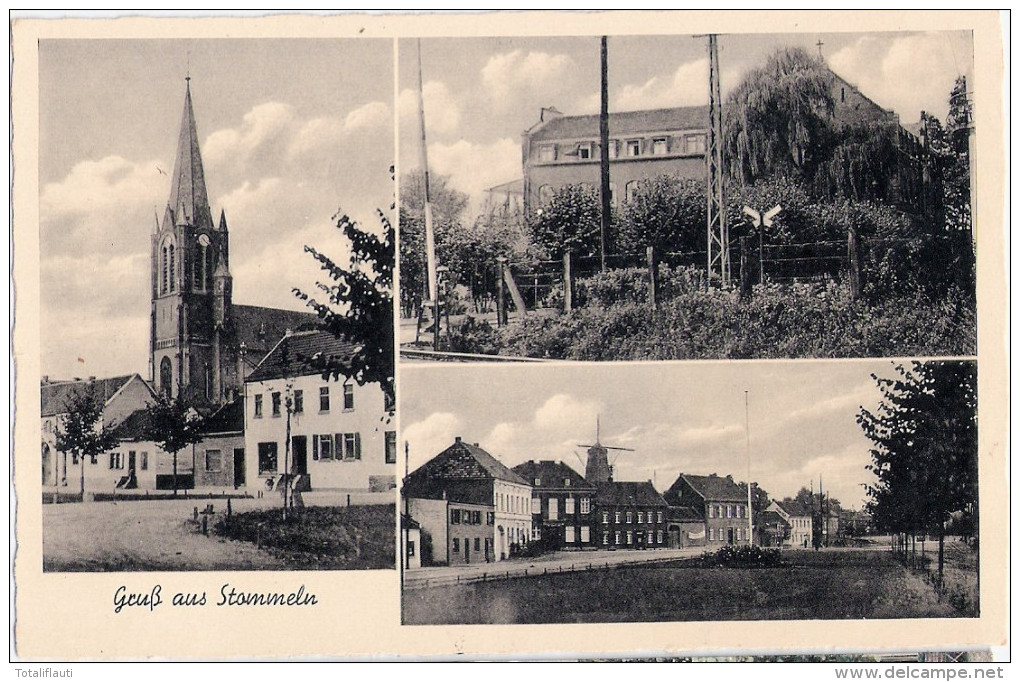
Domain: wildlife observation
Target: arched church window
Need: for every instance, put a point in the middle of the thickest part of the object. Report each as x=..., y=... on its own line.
x=173, y=268
x=164, y=263
x=165, y=376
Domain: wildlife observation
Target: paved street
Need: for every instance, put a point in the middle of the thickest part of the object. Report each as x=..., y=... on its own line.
x=556, y=562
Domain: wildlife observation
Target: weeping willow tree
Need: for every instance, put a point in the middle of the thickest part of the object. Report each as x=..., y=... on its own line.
x=778, y=118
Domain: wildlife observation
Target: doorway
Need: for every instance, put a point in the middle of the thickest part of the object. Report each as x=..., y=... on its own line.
x=299, y=448
x=729, y=536
x=238, y=467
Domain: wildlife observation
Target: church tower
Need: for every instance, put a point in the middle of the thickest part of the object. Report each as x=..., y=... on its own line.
x=191, y=282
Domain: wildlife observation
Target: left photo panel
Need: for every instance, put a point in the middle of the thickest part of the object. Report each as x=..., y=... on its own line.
x=216, y=243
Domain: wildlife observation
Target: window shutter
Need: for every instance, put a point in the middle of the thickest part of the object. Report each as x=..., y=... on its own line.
x=357, y=446
x=315, y=447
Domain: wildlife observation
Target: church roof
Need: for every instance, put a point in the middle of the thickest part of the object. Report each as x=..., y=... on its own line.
x=259, y=328
x=54, y=396
x=301, y=354
x=189, y=199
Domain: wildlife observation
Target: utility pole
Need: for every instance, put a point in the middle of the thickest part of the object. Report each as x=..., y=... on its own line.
x=604, y=190
x=430, y=238
x=718, y=232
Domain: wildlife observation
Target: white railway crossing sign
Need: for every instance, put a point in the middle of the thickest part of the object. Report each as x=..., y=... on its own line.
x=758, y=219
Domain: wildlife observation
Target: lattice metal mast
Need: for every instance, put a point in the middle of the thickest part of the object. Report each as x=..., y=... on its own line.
x=718, y=231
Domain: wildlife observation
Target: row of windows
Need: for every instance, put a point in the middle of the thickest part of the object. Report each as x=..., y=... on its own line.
x=325, y=447
x=547, y=192
x=117, y=460
x=512, y=504
x=471, y=517
x=298, y=405
x=728, y=511
x=659, y=145
x=554, y=506
x=337, y=446
x=467, y=544
x=621, y=537
x=739, y=534
x=642, y=517
x=201, y=269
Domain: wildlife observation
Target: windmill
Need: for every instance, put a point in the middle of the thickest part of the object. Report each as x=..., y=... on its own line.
x=598, y=470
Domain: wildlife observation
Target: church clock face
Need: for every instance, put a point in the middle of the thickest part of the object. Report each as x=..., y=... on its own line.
x=203, y=240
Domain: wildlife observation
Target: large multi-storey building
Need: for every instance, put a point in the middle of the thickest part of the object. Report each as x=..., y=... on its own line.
x=562, y=505
x=720, y=501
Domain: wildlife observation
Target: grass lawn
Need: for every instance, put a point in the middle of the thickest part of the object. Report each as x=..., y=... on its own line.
x=359, y=537
x=844, y=584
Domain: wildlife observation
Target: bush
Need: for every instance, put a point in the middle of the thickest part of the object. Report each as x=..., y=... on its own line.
x=473, y=336
x=742, y=556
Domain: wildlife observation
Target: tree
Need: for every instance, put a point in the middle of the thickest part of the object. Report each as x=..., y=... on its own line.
x=924, y=453
x=777, y=118
x=82, y=432
x=173, y=424
x=571, y=220
x=358, y=307
x=666, y=212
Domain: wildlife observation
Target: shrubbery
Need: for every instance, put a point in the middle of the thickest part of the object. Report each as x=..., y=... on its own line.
x=742, y=556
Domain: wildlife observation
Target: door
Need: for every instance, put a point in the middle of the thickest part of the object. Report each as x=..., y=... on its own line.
x=299, y=448
x=238, y=467
x=729, y=536
x=131, y=463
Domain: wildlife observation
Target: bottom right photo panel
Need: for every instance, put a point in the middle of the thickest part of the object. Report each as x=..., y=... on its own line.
x=673, y=492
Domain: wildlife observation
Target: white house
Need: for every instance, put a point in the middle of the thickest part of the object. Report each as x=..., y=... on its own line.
x=799, y=518
x=342, y=435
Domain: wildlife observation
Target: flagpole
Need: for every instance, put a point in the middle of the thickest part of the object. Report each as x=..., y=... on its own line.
x=747, y=437
x=430, y=239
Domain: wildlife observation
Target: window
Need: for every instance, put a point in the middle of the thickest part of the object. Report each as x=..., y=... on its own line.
x=585, y=505
x=389, y=403
x=490, y=518
x=585, y=534
x=659, y=146
x=348, y=397
x=391, y=447
x=566, y=482
x=116, y=460
x=658, y=537
x=478, y=544
x=213, y=460
x=694, y=144
x=617, y=538
x=584, y=151
x=454, y=516
x=546, y=153
x=299, y=401
x=659, y=516
x=630, y=517
x=633, y=147
x=267, y=458
x=729, y=511
x=322, y=446
x=605, y=538
x=456, y=545
x=736, y=511
x=476, y=517
x=545, y=194
x=616, y=517
x=711, y=534
x=348, y=445
x=631, y=190
x=536, y=505
x=143, y=460
x=538, y=482
x=276, y=403
x=258, y=407
x=640, y=517
x=614, y=148
x=568, y=534
x=324, y=399
x=569, y=506
x=554, y=509
x=630, y=537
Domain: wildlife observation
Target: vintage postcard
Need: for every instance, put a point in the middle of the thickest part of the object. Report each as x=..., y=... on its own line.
x=580, y=334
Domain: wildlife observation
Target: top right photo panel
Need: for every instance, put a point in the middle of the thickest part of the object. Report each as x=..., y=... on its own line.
x=687, y=197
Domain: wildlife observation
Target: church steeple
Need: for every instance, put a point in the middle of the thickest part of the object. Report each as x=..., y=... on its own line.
x=189, y=200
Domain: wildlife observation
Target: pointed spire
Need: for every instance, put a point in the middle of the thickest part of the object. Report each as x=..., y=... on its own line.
x=189, y=199
x=223, y=221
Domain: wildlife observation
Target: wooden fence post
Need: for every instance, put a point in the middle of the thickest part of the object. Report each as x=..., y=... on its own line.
x=745, y=269
x=653, y=277
x=855, y=262
x=568, y=281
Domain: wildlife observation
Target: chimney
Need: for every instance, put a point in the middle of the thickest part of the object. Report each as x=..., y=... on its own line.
x=549, y=113
x=456, y=439
x=475, y=444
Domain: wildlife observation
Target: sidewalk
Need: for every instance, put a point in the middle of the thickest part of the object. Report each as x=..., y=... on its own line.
x=556, y=562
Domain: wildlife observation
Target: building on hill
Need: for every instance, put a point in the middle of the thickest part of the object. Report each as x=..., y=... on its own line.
x=631, y=515
x=465, y=474
x=564, y=150
x=120, y=396
x=201, y=343
x=562, y=505
x=342, y=436
x=720, y=501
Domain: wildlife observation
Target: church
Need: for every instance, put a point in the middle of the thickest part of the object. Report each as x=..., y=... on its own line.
x=202, y=344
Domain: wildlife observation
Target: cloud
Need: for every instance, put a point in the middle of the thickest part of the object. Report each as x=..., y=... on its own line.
x=475, y=167
x=524, y=75
x=430, y=436
x=876, y=64
x=442, y=110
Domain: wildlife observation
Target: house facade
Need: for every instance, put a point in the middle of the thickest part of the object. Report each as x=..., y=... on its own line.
x=342, y=435
x=467, y=478
x=720, y=501
x=120, y=396
x=686, y=528
x=631, y=515
x=564, y=150
x=799, y=517
x=562, y=505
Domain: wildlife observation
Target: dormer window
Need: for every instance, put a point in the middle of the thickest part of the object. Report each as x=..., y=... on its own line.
x=584, y=151
x=547, y=153
x=633, y=147
x=659, y=146
x=538, y=481
x=566, y=482
x=614, y=148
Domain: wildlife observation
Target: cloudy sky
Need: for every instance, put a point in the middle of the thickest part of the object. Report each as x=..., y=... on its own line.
x=481, y=93
x=678, y=417
x=290, y=131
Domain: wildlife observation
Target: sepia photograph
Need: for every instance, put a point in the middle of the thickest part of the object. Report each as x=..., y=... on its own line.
x=661, y=197
x=213, y=397
x=690, y=492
